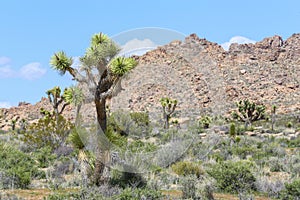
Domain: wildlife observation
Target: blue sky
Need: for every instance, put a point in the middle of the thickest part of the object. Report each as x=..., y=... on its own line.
x=31, y=31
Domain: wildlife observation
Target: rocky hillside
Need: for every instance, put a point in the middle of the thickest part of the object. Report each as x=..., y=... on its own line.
x=203, y=77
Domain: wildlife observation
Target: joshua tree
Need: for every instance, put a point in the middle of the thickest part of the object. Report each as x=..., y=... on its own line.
x=249, y=112
x=56, y=98
x=168, y=106
x=101, y=71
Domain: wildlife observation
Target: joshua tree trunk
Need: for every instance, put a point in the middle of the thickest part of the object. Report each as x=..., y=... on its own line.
x=167, y=119
x=101, y=113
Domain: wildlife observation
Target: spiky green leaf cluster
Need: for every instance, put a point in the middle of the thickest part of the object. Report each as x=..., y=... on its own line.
x=167, y=102
x=55, y=92
x=73, y=95
x=61, y=62
x=100, y=52
x=121, y=65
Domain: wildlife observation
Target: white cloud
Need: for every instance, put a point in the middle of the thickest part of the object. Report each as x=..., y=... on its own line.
x=4, y=60
x=32, y=71
x=5, y=105
x=137, y=47
x=6, y=72
x=237, y=39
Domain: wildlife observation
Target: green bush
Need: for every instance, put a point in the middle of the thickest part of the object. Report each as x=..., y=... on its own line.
x=125, y=123
x=184, y=168
x=47, y=132
x=291, y=191
x=205, y=121
x=233, y=177
x=188, y=187
x=138, y=194
x=44, y=156
x=126, y=177
x=138, y=146
x=17, y=165
x=63, y=196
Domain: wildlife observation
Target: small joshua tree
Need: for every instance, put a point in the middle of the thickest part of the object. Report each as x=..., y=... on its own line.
x=56, y=98
x=249, y=112
x=168, y=106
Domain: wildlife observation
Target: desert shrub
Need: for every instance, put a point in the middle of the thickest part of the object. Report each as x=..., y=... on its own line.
x=141, y=118
x=47, y=132
x=125, y=177
x=63, y=151
x=291, y=191
x=270, y=187
x=276, y=164
x=104, y=191
x=8, y=196
x=233, y=177
x=232, y=130
x=63, y=195
x=139, y=193
x=116, y=138
x=189, y=187
x=61, y=168
x=289, y=125
x=17, y=166
x=125, y=123
x=44, y=156
x=184, y=168
x=205, y=121
x=137, y=146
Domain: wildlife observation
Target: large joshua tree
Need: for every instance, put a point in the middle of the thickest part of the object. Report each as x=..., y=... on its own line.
x=101, y=70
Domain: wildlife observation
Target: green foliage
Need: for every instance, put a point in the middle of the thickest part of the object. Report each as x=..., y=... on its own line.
x=138, y=146
x=232, y=131
x=119, y=66
x=100, y=52
x=249, y=112
x=73, y=95
x=188, y=187
x=76, y=139
x=289, y=125
x=205, y=121
x=44, y=156
x=138, y=194
x=48, y=131
x=19, y=166
x=184, y=168
x=141, y=118
x=58, y=195
x=233, y=177
x=124, y=177
x=61, y=62
x=136, y=124
x=291, y=191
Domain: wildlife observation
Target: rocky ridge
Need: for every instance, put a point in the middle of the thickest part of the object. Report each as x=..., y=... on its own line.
x=203, y=77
